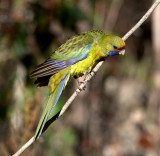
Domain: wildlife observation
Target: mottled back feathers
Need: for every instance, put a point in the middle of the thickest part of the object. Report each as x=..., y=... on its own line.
x=73, y=50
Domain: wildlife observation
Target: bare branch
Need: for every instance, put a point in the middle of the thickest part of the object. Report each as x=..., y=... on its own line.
x=24, y=147
x=147, y=14
x=89, y=76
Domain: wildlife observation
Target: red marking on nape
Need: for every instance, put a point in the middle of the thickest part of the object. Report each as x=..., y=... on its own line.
x=121, y=48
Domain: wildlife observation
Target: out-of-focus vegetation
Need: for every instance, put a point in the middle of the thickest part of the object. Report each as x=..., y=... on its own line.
x=118, y=114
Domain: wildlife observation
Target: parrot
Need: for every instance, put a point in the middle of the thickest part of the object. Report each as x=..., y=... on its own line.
x=73, y=59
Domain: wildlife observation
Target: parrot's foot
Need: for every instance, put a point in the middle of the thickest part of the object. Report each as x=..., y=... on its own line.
x=93, y=73
x=79, y=83
x=80, y=80
x=82, y=89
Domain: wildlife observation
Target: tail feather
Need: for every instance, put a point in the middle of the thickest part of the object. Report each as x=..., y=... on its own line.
x=52, y=101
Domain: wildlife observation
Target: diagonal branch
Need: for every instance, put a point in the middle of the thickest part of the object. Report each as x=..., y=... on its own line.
x=89, y=76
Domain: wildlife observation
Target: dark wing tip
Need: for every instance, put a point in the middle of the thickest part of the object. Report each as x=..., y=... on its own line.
x=43, y=69
x=32, y=75
x=50, y=67
x=42, y=81
x=35, y=74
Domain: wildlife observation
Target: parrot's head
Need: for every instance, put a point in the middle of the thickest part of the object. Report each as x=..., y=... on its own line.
x=112, y=45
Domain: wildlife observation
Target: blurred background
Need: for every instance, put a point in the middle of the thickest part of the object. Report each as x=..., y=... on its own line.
x=118, y=114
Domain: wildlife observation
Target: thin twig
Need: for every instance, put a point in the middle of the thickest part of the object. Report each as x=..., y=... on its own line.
x=147, y=14
x=89, y=76
x=25, y=146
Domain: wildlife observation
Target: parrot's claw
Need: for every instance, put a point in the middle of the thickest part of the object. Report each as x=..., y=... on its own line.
x=82, y=89
x=79, y=83
x=94, y=73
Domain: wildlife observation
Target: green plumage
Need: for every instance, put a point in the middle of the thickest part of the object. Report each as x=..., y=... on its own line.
x=76, y=57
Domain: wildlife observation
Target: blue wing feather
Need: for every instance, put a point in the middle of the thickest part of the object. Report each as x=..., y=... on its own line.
x=52, y=101
x=51, y=66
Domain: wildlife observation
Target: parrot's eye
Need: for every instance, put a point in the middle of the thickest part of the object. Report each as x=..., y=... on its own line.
x=115, y=47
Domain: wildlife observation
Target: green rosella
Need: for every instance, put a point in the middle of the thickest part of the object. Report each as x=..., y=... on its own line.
x=76, y=57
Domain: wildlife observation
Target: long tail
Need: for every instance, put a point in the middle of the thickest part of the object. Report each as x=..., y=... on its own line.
x=52, y=101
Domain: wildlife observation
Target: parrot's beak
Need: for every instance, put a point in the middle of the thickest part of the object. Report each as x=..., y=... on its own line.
x=122, y=52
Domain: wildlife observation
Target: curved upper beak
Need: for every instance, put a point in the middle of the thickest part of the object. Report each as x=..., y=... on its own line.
x=122, y=52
